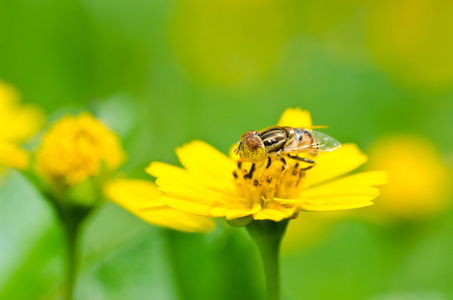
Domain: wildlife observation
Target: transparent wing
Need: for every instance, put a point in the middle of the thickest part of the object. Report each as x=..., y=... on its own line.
x=311, y=141
x=325, y=143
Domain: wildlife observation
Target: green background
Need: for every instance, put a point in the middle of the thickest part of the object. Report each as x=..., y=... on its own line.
x=162, y=73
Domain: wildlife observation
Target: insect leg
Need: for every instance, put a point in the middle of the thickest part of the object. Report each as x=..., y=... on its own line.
x=296, y=169
x=250, y=173
x=285, y=164
x=269, y=162
x=241, y=170
x=302, y=170
x=301, y=175
x=309, y=161
x=284, y=168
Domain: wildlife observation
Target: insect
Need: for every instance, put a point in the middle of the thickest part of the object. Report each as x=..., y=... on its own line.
x=272, y=143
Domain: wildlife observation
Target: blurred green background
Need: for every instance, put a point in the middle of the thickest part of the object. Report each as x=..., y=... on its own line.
x=162, y=73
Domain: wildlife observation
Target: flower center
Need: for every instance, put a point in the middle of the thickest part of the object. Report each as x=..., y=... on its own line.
x=261, y=182
x=76, y=148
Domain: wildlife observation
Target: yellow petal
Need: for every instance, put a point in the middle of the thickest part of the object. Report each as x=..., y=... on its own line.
x=13, y=156
x=133, y=194
x=334, y=206
x=191, y=190
x=203, y=159
x=233, y=212
x=159, y=169
x=241, y=211
x=188, y=205
x=194, y=185
x=322, y=198
x=218, y=212
x=17, y=122
x=332, y=164
x=175, y=219
x=141, y=198
x=319, y=193
x=26, y=121
x=289, y=202
x=295, y=117
x=269, y=214
x=363, y=179
x=275, y=212
x=165, y=171
x=328, y=203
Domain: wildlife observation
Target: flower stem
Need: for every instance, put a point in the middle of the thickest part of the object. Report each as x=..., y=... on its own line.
x=268, y=236
x=71, y=218
x=72, y=230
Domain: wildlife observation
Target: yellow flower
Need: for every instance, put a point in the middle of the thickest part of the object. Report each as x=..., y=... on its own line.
x=206, y=185
x=419, y=179
x=17, y=124
x=140, y=197
x=12, y=156
x=76, y=148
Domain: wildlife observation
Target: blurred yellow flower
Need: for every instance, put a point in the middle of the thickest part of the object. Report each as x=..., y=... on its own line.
x=17, y=124
x=140, y=197
x=412, y=39
x=12, y=156
x=418, y=178
x=206, y=185
x=76, y=148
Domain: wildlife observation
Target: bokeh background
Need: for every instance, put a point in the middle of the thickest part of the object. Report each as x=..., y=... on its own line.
x=162, y=73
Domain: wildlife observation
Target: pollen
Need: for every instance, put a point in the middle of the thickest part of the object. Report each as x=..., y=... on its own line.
x=76, y=148
x=257, y=184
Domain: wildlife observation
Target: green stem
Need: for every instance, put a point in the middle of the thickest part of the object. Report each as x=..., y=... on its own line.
x=268, y=236
x=72, y=235
x=71, y=218
x=170, y=250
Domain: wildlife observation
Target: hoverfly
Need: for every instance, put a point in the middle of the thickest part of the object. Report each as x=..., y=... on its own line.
x=272, y=143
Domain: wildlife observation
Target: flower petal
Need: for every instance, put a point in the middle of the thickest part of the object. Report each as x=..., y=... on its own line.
x=203, y=159
x=175, y=219
x=350, y=192
x=270, y=214
x=340, y=203
x=319, y=193
x=141, y=198
x=18, y=122
x=329, y=201
x=357, y=185
x=363, y=179
x=275, y=212
x=295, y=117
x=238, y=212
x=188, y=205
x=13, y=156
x=332, y=164
x=159, y=169
x=133, y=194
x=171, y=173
x=188, y=189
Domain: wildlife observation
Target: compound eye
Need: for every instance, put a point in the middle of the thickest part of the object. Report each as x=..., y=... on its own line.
x=247, y=134
x=254, y=149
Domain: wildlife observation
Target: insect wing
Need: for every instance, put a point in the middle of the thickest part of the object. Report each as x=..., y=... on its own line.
x=311, y=141
x=325, y=143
